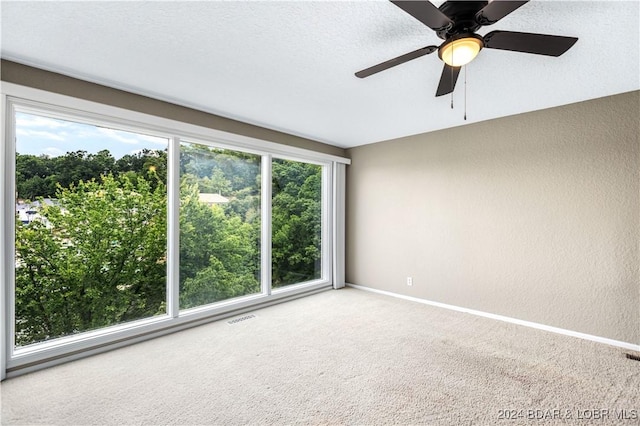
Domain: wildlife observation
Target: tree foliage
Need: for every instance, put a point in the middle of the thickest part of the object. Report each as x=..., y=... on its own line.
x=296, y=222
x=95, y=258
x=39, y=176
x=219, y=254
x=97, y=255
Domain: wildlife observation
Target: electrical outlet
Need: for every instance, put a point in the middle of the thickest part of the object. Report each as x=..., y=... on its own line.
x=409, y=280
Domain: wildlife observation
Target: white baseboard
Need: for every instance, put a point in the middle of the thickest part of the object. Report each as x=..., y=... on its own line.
x=606, y=341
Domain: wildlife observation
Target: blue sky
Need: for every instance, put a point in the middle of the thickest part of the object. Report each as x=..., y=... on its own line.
x=38, y=135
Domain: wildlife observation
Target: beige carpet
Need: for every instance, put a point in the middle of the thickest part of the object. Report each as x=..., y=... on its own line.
x=339, y=357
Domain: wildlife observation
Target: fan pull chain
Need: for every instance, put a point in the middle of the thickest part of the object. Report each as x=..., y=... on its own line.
x=465, y=93
x=453, y=50
x=451, y=100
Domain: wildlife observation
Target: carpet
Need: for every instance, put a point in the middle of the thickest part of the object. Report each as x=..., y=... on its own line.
x=345, y=357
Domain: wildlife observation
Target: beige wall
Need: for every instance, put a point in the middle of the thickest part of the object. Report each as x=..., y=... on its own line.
x=534, y=216
x=33, y=77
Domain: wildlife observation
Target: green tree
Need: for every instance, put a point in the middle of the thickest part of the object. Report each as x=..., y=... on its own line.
x=39, y=176
x=101, y=163
x=217, y=183
x=296, y=222
x=33, y=177
x=219, y=255
x=95, y=258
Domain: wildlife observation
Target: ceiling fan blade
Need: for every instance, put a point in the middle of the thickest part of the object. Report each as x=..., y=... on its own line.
x=539, y=44
x=396, y=61
x=496, y=10
x=425, y=12
x=447, y=80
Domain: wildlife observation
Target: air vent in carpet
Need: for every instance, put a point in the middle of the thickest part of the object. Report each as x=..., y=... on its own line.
x=633, y=357
x=240, y=319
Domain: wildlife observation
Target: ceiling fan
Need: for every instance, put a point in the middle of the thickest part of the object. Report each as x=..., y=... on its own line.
x=456, y=22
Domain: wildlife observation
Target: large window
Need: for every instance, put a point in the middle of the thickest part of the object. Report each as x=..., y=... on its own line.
x=90, y=228
x=219, y=224
x=118, y=225
x=297, y=222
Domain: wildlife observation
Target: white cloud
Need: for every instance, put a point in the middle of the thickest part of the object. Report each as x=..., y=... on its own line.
x=118, y=136
x=52, y=151
x=40, y=134
x=27, y=120
x=130, y=138
x=154, y=139
x=83, y=136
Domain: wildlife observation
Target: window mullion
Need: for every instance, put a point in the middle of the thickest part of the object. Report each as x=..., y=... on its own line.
x=327, y=222
x=6, y=229
x=338, y=192
x=173, y=228
x=266, y=225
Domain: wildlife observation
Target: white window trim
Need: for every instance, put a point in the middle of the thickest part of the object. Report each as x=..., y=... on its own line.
x=266, y=228
x=338, y=223
x=37, y=356
x=5, y=232
x=162, y=126
x=173, y=227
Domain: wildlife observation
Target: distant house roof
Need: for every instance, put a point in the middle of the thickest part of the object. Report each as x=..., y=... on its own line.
x=28, y=205
x=28, y=211
x=212, y=198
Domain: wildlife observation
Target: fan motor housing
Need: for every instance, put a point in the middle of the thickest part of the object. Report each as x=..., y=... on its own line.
x=463, y=14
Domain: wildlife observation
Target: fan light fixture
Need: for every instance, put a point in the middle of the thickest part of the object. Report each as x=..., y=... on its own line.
x=461, y=50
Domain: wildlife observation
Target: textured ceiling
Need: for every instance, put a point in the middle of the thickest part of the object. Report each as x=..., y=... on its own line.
x=289, y=65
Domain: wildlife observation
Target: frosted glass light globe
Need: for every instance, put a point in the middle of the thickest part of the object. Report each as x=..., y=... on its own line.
x=461, y=51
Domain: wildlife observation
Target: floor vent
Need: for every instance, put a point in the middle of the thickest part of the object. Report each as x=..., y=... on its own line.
x=633, y=357
x=240, y=319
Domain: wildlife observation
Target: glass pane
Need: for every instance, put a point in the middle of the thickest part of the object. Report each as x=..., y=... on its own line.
x=296, y=222
x=91, y=219
x=219, y=224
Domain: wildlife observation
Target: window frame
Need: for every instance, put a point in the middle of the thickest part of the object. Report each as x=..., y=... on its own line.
x=327, y=233
x=15, y=361
x=232, y=301
x=76, y=341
